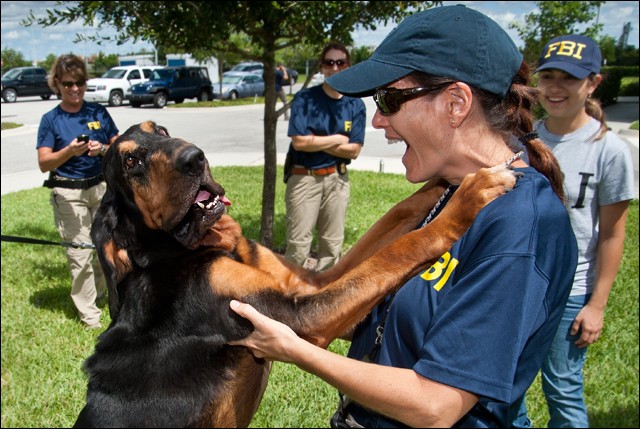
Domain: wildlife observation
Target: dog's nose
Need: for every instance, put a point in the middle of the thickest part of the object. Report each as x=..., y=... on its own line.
x=191, y=161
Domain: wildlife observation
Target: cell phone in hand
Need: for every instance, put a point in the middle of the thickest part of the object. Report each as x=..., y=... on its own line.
x=83, y=138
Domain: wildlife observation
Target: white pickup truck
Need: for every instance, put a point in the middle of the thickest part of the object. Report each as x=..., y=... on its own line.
x=114, y=85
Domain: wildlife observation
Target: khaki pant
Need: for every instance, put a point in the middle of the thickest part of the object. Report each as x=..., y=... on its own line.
x=74, y=211
x=316, y=201
x=283, y=96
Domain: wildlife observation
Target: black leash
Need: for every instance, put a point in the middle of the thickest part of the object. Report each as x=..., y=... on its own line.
x=13, y=239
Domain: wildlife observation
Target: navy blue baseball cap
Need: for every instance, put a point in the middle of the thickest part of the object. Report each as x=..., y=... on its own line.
x=575, y=54
x=447, y=41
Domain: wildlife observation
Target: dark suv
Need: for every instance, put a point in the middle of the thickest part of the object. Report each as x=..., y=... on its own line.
x=25, y=81
x=172, y=84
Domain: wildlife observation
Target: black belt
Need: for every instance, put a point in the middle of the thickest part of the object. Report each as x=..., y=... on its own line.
x=59, y=182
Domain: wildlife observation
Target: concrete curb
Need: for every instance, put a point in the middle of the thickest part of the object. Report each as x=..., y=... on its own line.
x=632, y=133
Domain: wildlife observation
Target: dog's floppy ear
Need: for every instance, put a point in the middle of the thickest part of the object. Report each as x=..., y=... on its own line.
x=113, y=258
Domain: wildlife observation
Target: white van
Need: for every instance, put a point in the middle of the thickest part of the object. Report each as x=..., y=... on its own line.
x=114, y=85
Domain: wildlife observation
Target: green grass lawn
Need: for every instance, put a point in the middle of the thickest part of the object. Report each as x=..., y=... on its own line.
x=44, y=343
x=10, y=125
x=226, y=103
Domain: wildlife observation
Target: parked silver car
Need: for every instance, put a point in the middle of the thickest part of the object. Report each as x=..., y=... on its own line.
x=253, y=67
x=238, y=85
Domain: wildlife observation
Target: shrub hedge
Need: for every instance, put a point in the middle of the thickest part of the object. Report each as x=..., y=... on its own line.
x=609, y=89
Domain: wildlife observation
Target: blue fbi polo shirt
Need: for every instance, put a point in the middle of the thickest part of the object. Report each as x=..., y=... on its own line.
x=314, y=112
x=58, y=128
x=482, y=318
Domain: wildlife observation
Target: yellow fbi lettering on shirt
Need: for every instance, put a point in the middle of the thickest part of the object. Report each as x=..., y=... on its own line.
x=347, y=125
x=95, y=125
x=441, y=271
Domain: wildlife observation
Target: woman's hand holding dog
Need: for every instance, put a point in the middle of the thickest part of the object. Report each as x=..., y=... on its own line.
x=270, y=339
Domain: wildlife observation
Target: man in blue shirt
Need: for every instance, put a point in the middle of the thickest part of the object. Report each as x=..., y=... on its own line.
x=281, y=76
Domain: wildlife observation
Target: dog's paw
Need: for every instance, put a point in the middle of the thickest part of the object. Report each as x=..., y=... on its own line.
x=479, y=189
x=225, y=234
x=497, y=180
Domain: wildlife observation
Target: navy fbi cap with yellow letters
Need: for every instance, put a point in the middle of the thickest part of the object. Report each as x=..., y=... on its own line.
x=449, y=41
x=574, y=54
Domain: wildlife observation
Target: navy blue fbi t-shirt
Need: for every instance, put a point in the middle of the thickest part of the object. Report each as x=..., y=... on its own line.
x=481, y=319
x=314, y=112
x=58, y=128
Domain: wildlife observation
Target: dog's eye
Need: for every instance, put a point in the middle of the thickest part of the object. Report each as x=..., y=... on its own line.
x=131, y=161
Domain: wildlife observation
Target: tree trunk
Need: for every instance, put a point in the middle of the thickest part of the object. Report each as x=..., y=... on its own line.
x=270, y=156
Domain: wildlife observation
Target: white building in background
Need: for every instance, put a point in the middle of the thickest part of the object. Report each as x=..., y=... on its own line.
x=137, y=60
x=187, y=60
x=173, y=60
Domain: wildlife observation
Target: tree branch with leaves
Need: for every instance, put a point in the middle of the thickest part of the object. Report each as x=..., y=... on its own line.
x=205, y=29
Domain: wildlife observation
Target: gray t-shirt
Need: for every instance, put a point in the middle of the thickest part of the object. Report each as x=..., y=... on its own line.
x=596, y=173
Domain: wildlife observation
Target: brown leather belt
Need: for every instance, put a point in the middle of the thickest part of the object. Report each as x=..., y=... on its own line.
x=314, y=172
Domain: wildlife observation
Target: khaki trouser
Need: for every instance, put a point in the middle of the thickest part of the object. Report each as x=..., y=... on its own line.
x=74, y=211
x=316, y=201
x=283, y=96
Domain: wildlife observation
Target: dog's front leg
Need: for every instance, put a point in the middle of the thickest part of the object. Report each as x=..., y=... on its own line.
x=399, y=220
x=323, y=316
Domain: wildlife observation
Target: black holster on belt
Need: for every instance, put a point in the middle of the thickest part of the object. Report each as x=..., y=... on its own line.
x=341, y=418
x=338, y=421
x=288, y=166
x=56, y=182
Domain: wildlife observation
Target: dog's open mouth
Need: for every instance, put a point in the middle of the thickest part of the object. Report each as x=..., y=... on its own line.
x=204, y=212
x=205, y=201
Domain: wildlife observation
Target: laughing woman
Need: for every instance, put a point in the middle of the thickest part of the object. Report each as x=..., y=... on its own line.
x=461, y=342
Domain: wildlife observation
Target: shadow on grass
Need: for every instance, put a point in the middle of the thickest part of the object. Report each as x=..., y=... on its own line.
x=36, y=232
x=51, y=281
x=622, y=417
x=56, y=300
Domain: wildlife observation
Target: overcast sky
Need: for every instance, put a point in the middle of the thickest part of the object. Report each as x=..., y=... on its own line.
x=37, y=42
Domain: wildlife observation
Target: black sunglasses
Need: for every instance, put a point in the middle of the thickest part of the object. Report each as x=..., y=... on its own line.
x=389, y=100
x=69, y=83
x=330, y=63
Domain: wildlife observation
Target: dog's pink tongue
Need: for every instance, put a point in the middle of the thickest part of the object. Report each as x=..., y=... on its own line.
x=202, y=196
x=205, y=195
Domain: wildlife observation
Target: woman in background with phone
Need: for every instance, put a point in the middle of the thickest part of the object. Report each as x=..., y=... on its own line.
x=72, y=138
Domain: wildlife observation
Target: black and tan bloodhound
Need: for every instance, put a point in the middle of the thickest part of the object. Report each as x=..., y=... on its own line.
x=174, y=259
